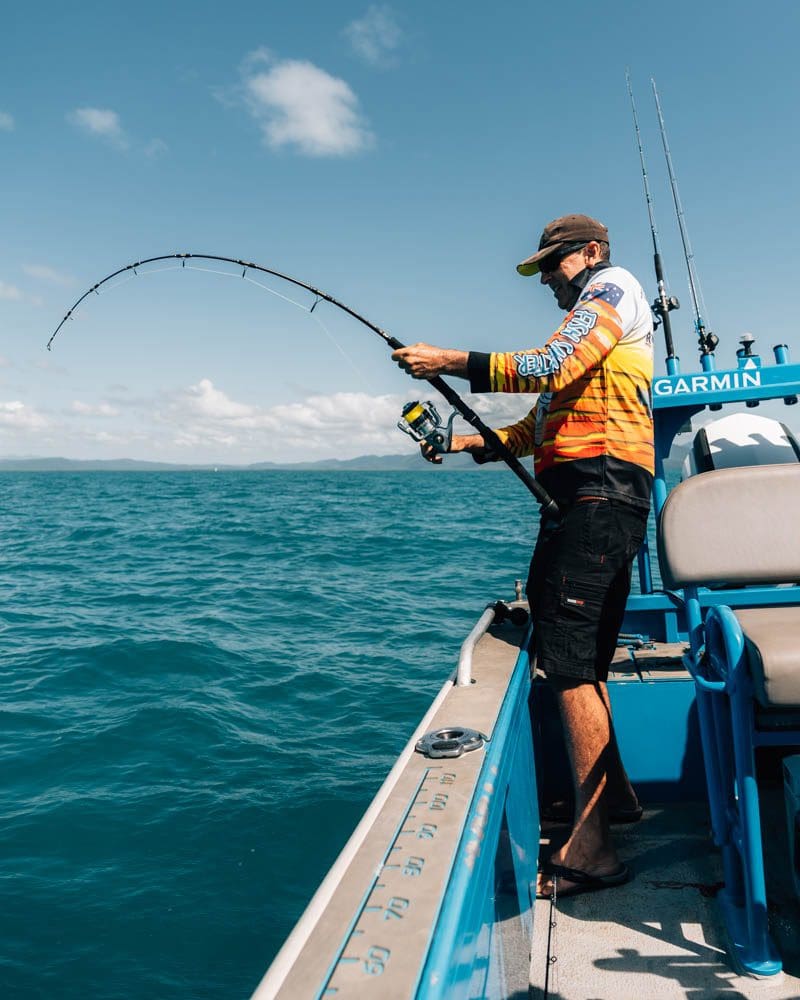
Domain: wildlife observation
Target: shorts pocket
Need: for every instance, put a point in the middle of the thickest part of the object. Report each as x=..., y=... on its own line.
x=573, y=635
x=597, y=528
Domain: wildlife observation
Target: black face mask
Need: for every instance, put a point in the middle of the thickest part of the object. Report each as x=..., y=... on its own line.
x=581, y=280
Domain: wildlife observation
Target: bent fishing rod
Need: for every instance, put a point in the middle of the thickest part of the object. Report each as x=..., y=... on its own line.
x=663, y=303
x=493, y=442
x=707, y=340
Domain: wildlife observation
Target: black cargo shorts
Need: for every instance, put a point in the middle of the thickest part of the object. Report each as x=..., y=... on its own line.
x=578, y=583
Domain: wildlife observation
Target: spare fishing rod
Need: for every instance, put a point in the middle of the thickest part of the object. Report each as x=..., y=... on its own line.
x=493, y=442
x=706, y=339
x=663, y=303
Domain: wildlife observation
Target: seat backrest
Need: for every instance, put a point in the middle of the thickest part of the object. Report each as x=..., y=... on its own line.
x=733, y=526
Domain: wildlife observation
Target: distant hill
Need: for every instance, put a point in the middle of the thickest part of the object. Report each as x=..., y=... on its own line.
x=411, y=462
x=364, y=463
x=378, y=463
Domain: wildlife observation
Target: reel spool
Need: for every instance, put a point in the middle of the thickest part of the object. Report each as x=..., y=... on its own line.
x=421, y=421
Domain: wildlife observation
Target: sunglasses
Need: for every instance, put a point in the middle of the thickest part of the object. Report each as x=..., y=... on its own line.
x=553, y=260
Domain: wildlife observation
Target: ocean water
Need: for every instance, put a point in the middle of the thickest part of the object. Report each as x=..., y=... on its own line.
x=204, y=679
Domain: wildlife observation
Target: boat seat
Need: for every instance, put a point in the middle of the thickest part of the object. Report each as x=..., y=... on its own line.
x=737, y=528
x=732, y=528
x=772, y=642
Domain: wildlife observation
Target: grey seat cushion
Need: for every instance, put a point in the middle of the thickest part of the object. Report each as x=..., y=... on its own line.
x=772, y=638
x=732, y=527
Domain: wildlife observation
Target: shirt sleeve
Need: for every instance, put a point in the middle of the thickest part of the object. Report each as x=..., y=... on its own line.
x=588, y=334
x=519, y=437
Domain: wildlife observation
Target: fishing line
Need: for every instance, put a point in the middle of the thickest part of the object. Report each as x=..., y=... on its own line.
x=139, y=274
x=307, y=309
x=706, y=339
x=272, y=291
x=664, y=302
x=317, y=319
x=260, y=284
x=131, y=276
x=493, y=442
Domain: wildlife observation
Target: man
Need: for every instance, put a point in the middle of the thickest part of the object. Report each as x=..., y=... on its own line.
x=591, y=435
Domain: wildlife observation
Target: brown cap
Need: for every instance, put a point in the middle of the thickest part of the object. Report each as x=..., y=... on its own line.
x=560, y=233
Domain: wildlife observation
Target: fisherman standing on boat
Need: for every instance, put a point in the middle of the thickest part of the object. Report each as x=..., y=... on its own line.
x=591, y=435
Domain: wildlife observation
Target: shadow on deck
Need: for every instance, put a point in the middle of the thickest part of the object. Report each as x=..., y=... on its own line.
x=661, y=936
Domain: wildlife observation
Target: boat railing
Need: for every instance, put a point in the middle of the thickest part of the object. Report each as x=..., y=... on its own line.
x=497, y=611
x=464, y=671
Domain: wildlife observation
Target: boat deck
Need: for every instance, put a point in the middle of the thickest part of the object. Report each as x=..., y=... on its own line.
x=367, y=932
x=662, y=935
x=649, y=658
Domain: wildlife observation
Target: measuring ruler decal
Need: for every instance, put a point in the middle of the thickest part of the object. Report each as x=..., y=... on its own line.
x=375, y=939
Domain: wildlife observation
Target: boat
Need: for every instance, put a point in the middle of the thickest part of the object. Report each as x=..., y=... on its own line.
x=433, y=895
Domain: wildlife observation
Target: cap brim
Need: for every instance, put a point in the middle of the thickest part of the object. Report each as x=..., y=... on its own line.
x=530, y=266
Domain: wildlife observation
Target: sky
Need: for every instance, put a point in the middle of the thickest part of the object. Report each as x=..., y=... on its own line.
x=401, y=157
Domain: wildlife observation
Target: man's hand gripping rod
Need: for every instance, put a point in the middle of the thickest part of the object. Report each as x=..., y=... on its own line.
x=548, y=504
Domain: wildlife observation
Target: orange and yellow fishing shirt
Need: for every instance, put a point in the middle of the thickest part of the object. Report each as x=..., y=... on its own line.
x=591, y=431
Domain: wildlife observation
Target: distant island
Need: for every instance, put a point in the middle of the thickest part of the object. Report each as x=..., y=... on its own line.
x=364, y=463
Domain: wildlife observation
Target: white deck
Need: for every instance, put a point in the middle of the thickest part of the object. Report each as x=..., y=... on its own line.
x=661, y=937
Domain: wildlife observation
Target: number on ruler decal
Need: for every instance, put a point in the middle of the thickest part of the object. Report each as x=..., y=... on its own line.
x=373, y=959
x=413, y=866
x=375, y=962
x=395, y=908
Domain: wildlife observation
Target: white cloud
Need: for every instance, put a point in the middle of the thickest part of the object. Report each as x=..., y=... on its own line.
x=10, y=292
x=203, y=423
x=6, y=122
x=18, y=415
x=342, y=415
x=204, y=415
x=299, y=105
x=340, y=425
x=155, y=148
x=101, y=122
x=48, y=366
x=213, y=404
x=375, y=36
x=94, y=409
x=499, y=408
x=106, y=124
x=49, y=274
x=103, y=437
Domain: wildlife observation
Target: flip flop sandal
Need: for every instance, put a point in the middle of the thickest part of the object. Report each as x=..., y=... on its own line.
x=560, y=812
x=583, y=881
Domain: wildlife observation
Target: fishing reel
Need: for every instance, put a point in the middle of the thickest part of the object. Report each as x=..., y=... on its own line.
x=657, y=309
x=421, y=421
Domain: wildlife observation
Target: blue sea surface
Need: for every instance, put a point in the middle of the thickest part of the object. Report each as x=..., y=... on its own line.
x=205, y=678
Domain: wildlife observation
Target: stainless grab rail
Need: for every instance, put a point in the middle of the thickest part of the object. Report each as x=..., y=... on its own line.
x=464, y=671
